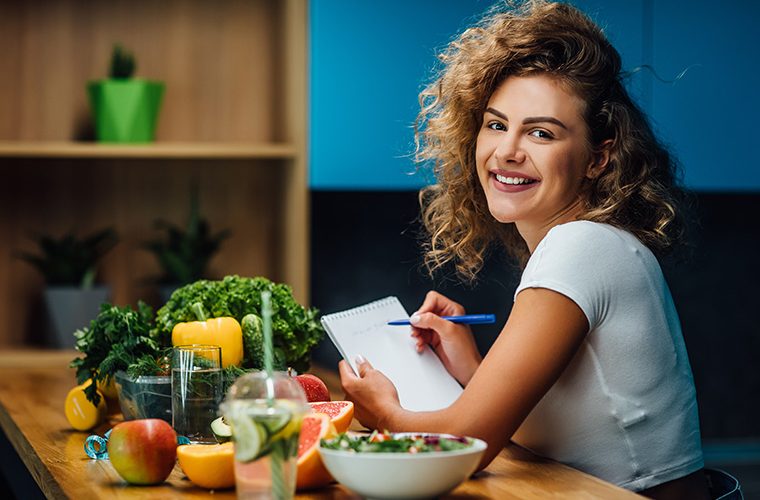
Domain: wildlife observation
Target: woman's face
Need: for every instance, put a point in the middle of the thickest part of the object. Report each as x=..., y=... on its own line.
x=532, y=153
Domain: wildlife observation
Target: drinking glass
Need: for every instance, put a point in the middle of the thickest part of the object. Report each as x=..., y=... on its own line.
x=196, y=390
x=265, y=415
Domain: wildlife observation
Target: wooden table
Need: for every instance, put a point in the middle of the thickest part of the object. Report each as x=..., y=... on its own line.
x=33, y=386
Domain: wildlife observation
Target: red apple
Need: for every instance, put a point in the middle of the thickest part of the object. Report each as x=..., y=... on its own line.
x=315, y=389
x=143, y=451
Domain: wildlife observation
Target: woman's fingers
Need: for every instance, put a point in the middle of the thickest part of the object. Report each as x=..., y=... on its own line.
x=362, y=365
x=440, y=304
x=423, y=338
x=346, y=372
x=429, y=321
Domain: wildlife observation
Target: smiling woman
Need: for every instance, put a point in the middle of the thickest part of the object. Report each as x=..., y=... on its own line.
x=538, y=148
x=532, y=155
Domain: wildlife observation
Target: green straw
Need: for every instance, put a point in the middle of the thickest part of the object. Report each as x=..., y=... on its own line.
x=266, y=316
x=276, y=457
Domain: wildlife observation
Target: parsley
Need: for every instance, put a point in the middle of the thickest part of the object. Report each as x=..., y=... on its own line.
x=118, y=339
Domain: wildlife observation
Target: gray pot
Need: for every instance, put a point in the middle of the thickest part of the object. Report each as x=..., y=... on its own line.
x=145, y=397
x=70, y=308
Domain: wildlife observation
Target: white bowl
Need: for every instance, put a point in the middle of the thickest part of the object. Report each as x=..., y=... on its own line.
x=403, y=475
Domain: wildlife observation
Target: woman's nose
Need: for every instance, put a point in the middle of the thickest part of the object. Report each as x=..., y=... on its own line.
x=509, y=149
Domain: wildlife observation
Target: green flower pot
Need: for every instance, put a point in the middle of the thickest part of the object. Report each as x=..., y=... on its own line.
x=125, y=110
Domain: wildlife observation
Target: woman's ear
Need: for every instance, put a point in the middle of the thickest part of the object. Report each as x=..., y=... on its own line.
x=600, y=160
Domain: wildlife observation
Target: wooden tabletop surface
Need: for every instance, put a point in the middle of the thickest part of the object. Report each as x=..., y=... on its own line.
x=34, y=384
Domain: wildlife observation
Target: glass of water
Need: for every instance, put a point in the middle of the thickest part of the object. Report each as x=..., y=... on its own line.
x=197, y=390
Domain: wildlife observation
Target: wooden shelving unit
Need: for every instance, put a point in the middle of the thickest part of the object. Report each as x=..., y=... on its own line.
x=169, y=150
x=233, y=121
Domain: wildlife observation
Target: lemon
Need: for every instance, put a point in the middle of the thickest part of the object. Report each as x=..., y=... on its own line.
x=81, y=413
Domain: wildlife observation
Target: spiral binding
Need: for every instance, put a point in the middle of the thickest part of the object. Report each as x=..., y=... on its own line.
x=377, y=304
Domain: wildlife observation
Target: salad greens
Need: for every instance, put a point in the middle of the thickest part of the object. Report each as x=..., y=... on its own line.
x=390, y=443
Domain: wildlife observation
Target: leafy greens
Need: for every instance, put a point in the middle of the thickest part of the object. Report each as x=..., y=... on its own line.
x=136, y=341
x=295, y=329
x=117, y=339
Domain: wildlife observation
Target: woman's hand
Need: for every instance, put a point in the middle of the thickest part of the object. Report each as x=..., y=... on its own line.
x=374, y=396
x=453, y=343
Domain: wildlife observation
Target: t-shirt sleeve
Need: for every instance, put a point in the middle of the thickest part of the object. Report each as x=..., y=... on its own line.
x=576, y=260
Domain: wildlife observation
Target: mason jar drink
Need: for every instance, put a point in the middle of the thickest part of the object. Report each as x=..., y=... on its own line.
x=265, y=417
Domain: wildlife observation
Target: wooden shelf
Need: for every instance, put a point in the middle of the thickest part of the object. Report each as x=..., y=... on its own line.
x=233, y=123
x=178, y=150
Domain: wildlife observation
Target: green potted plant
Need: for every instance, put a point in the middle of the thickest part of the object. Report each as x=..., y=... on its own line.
x=125, y=109
x=183, y=253
x=69, y=266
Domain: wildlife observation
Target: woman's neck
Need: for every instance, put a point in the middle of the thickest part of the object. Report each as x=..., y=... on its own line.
x=533, y=232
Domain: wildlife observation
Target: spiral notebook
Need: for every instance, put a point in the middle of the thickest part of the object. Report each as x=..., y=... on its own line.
x=422, y=382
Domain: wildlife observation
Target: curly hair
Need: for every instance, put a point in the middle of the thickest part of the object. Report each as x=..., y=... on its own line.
x=637, y=191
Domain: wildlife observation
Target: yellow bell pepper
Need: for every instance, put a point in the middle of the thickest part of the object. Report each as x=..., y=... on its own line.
x=224, y=332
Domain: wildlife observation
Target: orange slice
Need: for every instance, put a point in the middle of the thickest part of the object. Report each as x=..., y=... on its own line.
x=340, y=412
x=311, y=470
x=210, y=466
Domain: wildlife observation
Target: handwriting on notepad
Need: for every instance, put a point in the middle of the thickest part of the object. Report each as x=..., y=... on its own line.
x=368, y=329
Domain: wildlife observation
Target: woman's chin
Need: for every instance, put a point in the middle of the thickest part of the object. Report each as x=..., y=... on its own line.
x=503, y=216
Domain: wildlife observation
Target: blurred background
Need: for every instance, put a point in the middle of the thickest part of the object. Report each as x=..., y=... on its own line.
x=288, y=126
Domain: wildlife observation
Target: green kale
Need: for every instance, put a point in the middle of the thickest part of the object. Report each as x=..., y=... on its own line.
x=295, y=329
x=117, y=339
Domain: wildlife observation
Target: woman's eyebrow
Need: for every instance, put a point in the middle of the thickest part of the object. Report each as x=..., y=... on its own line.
x=497, y=113
x=544, y=119
x=529, y=120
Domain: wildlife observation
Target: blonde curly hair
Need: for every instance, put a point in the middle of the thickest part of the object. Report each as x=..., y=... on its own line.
x=637, y=190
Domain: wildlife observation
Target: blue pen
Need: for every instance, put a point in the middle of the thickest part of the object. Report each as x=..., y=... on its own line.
x=467, y=319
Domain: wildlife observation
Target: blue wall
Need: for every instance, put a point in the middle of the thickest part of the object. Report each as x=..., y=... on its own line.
x=369, y=60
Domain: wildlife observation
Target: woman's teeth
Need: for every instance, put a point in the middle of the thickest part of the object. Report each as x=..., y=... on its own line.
x=513, y=180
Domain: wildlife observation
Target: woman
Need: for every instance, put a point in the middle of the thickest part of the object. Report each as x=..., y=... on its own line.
x=538, y=148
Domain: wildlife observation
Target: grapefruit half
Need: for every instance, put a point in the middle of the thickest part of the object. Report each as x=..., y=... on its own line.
x=311, y=471
x=340, y=412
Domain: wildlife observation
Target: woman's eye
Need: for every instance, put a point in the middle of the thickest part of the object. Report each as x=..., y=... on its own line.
x=496, y=126
x=541, y=134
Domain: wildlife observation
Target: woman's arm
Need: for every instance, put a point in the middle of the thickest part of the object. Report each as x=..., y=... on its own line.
x=542, y=334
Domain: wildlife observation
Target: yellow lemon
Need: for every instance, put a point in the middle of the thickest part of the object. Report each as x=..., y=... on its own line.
x=81, y=413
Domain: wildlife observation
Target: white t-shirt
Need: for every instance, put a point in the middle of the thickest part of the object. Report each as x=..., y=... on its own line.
x=625, y=408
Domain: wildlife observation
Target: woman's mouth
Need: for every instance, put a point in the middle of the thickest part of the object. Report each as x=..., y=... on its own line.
x=511, y=183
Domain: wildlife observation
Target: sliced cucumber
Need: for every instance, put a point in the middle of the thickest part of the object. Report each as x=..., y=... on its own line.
x=275, y=420
x=249, y=438
x=222, y=431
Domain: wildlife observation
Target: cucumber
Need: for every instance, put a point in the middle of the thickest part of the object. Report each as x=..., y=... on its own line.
x=222, y=431
x=249, y=439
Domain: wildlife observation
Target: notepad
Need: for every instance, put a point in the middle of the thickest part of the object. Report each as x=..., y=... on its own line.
x=422, y=382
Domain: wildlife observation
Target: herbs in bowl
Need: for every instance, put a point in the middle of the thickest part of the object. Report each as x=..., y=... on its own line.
x=401, y=465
